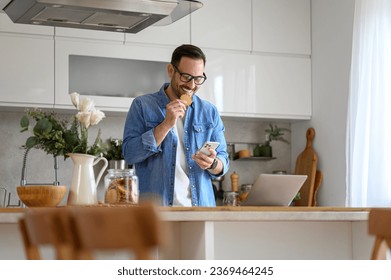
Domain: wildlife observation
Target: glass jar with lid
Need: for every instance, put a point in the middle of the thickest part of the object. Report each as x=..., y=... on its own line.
x=121, y=186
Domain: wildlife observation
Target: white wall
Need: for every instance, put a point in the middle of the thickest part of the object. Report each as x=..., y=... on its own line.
x=332, y=28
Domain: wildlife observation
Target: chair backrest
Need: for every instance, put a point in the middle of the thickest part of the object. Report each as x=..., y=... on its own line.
x=379, y=224
x=47, y=227
x=134, y=228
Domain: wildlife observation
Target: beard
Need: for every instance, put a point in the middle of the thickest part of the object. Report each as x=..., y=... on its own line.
x=179, y=90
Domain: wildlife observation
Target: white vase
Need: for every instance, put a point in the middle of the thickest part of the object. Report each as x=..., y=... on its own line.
x=83, y=189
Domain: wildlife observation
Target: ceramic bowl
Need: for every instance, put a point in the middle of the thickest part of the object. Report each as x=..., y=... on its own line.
x=41, y=196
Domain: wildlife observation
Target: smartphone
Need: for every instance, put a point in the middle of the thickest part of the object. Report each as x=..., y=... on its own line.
x=208, y=145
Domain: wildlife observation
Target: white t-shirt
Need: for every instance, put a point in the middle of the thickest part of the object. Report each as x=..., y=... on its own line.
x=182, y=195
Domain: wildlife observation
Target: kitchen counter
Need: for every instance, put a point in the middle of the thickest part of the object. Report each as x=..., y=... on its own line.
x=243, y=233
x=246, y=213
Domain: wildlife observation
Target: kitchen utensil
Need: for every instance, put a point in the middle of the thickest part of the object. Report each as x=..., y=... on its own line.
x=318, y=182
x=41, y=196
x=306, y=164
x=235, y=181
x=38, y=194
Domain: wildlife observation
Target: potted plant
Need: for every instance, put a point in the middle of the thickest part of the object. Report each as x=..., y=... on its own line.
x=61, y=137
x=114, y=154
x=273, y=133
x=69, y=138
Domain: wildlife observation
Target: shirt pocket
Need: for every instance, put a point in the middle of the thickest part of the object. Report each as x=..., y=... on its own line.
x=202, y=133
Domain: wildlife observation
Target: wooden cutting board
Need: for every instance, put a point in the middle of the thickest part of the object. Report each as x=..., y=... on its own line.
x=318, y=182
x=306, y=164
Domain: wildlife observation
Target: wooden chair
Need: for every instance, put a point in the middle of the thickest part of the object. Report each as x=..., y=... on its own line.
x=47, y=228
x=379, y=224
x=135, y=229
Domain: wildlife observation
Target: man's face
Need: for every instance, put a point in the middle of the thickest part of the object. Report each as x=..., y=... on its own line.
x=186, y=66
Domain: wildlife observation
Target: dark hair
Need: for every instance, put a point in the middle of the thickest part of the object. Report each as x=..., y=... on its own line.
x=187, y=51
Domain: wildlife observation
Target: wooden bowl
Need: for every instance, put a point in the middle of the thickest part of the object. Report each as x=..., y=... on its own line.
x=41, y=196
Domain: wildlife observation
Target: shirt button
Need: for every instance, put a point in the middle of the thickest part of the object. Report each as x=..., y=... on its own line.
x=189, y=167
x=193, y=186
x=187, y=148
x=199, y=130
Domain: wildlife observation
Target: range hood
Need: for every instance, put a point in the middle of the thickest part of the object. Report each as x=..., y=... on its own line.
x=129, y=16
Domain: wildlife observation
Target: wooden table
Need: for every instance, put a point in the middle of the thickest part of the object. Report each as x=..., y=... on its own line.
x=243, y=233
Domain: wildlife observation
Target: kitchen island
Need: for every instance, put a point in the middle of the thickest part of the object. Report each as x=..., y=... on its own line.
x=318, y=233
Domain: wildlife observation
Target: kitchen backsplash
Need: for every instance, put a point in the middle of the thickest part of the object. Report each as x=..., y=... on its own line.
x=40, y=166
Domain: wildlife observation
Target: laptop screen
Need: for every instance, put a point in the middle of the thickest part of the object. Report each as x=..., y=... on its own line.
x=274, y=190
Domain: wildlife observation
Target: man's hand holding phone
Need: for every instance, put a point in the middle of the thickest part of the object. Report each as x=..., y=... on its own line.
x=206, y=155
x=205, y=149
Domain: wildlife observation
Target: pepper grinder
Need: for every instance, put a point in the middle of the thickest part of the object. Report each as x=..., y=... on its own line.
x=231, y=198
x=235, y=182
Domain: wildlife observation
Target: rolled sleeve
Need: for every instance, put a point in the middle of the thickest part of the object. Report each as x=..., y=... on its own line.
x=149, y=142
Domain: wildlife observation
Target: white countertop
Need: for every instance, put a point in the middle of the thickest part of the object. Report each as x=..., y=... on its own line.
x=182, y=214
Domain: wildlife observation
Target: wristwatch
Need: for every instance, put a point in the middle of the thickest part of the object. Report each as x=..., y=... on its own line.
x=214, y=164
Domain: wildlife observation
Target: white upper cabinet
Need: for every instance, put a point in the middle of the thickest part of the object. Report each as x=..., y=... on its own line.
x=222, y=24
x=258, y=60
x=246, y=85
x=110, y=96
x=26, y=66
x=282, y=26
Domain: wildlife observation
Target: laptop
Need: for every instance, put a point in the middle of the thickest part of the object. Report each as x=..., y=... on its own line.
x=274, y=190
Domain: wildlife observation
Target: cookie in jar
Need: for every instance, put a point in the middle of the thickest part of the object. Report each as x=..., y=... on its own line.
x=121, y=187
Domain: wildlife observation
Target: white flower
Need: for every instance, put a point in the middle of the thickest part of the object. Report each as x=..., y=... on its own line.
x=75, y=99
x=84, y=118
x=96, y=117
x=86, y=105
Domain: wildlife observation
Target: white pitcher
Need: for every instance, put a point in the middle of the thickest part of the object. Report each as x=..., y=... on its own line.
x=83, y=189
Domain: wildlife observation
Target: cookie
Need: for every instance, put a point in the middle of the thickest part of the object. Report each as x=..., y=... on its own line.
x=187, y=99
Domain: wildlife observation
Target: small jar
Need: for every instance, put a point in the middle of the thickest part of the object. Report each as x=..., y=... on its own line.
x=121, y=186
x=231, y=199
x=244, y=191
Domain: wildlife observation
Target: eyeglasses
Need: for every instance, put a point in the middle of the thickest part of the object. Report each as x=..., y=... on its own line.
x=198, y=80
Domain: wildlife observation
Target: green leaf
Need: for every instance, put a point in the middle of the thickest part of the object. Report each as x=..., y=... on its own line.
x=31, y=141
x=43, y=126
x=24, y=123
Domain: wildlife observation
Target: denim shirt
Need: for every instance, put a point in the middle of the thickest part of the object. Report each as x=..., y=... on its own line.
x=155, y=165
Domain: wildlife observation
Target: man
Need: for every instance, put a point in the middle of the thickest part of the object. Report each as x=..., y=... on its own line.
x=163, y=133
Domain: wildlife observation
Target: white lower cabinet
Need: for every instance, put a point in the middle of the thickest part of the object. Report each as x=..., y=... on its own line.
x=26, y=70
x=258, y=86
